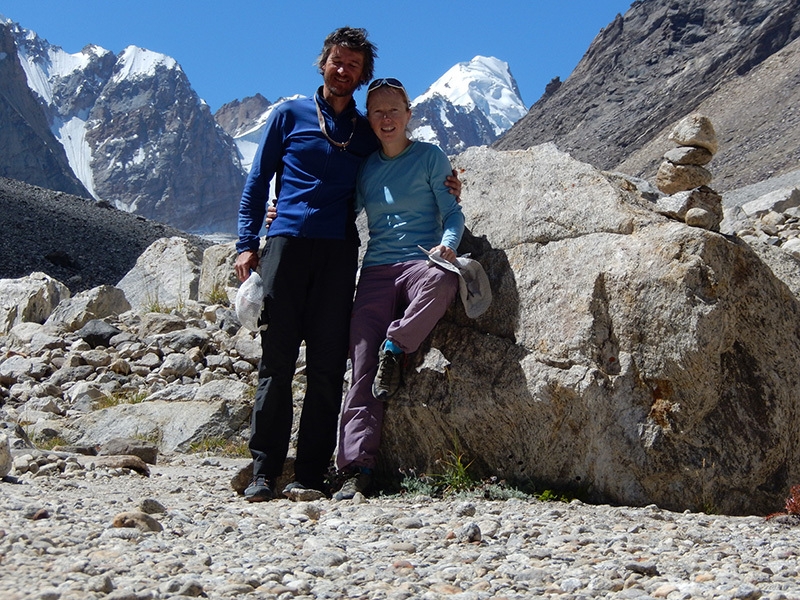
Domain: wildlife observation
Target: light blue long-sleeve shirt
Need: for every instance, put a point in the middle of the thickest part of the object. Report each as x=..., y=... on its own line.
x=408, y=204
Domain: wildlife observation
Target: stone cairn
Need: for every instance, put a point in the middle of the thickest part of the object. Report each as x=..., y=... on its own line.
x=684, y=178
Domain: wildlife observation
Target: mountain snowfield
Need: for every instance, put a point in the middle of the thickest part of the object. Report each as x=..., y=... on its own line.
x=46, y=66
x=247, y=142
x=43, y=63
x=484, y=83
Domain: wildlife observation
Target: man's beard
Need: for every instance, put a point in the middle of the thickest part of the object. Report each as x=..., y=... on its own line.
x=341, y=89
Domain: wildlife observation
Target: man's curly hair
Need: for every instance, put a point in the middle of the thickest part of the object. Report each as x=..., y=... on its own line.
x=354, y=38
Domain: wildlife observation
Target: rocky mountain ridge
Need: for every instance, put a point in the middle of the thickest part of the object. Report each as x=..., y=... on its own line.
x=31, y=151
x=133, y=130
x=733, y=61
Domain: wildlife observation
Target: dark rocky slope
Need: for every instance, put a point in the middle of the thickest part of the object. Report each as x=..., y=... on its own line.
x=81, y=243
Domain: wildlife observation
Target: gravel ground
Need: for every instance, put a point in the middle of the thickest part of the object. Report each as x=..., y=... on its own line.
x=183, y=532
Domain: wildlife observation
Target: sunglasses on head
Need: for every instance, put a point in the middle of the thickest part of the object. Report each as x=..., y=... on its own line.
x=390, y=81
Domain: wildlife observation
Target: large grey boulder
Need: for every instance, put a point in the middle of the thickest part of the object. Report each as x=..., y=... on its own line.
x=217, y=278
x=29, y=299
x=172, y=426
x=626, y=356
x=166, y=275
x=97, y=303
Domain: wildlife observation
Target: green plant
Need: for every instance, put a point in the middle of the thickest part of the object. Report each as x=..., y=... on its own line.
x=492, y=489
x=219, y=295
x=552, y=496
x=455, y=477
x=151, y=301
x=48, y=443
x=437, y=486
x=153, y=437
x=123, y=397
x=221, y=446
x=154, y=306
x=418, y=485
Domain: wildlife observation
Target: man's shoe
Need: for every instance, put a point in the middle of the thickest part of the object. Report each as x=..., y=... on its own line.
x=297, y=492
x=389, y=375
x=260, y=489
x=357, y=483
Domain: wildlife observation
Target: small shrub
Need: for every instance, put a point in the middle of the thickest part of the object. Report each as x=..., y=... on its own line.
x=455, y=477
x=117, y=398
x=492, y=489
x=48, y=443
x=219, y=295
x=552, y=496
x=792, y=503
x=418, y=485
x=220, y=446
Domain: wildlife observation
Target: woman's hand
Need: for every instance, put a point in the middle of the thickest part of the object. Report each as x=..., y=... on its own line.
x=445, y=252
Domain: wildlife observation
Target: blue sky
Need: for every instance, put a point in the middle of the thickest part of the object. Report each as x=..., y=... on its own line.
x=230, y=50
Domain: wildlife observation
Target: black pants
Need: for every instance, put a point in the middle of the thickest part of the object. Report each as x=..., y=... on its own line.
x=309, y=287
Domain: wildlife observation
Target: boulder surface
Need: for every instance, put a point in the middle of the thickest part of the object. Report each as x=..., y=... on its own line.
x=626, y=356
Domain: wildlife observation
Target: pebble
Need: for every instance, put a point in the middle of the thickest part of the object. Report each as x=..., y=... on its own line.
x=189, y=535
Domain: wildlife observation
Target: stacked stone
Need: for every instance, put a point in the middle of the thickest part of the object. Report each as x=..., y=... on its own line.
x=683, y=176
x=684, y=167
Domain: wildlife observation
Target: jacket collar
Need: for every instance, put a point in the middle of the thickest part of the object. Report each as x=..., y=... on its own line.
x=328, y=109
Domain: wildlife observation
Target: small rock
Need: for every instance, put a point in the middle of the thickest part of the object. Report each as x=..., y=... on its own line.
x=469, y=533
x=150, y=506
x=695, y=130
x=138, y=520
x=6, y=461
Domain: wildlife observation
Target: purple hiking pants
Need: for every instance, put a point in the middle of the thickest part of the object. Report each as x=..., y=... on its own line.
x=402, y=302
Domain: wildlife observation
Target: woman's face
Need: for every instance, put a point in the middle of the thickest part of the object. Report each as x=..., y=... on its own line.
x=388, y=114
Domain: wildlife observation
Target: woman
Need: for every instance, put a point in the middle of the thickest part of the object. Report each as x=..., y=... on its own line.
x=400, y=296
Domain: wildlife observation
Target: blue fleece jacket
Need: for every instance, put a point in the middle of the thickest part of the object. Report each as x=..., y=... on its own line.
x=315, y=179
x=408, y=204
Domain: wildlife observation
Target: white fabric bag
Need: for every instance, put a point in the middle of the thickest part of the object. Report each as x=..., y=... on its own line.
x=250, y=301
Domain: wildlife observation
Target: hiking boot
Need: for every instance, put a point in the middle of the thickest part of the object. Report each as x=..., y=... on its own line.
x=297, y=492
x=357, y=483
x=260, y=489
x=389, y=375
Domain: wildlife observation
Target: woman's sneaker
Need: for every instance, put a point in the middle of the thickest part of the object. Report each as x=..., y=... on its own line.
x=389, y=375
x=260, y=489
x=358, y=482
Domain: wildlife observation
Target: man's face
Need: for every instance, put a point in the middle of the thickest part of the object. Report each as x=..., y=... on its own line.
x=342, y=72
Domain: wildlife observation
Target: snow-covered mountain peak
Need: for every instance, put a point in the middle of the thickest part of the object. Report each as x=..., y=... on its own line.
x=485, y=83
x=95, y=50
x=135, y=62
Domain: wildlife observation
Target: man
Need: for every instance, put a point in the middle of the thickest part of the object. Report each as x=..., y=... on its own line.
x=315, y=147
